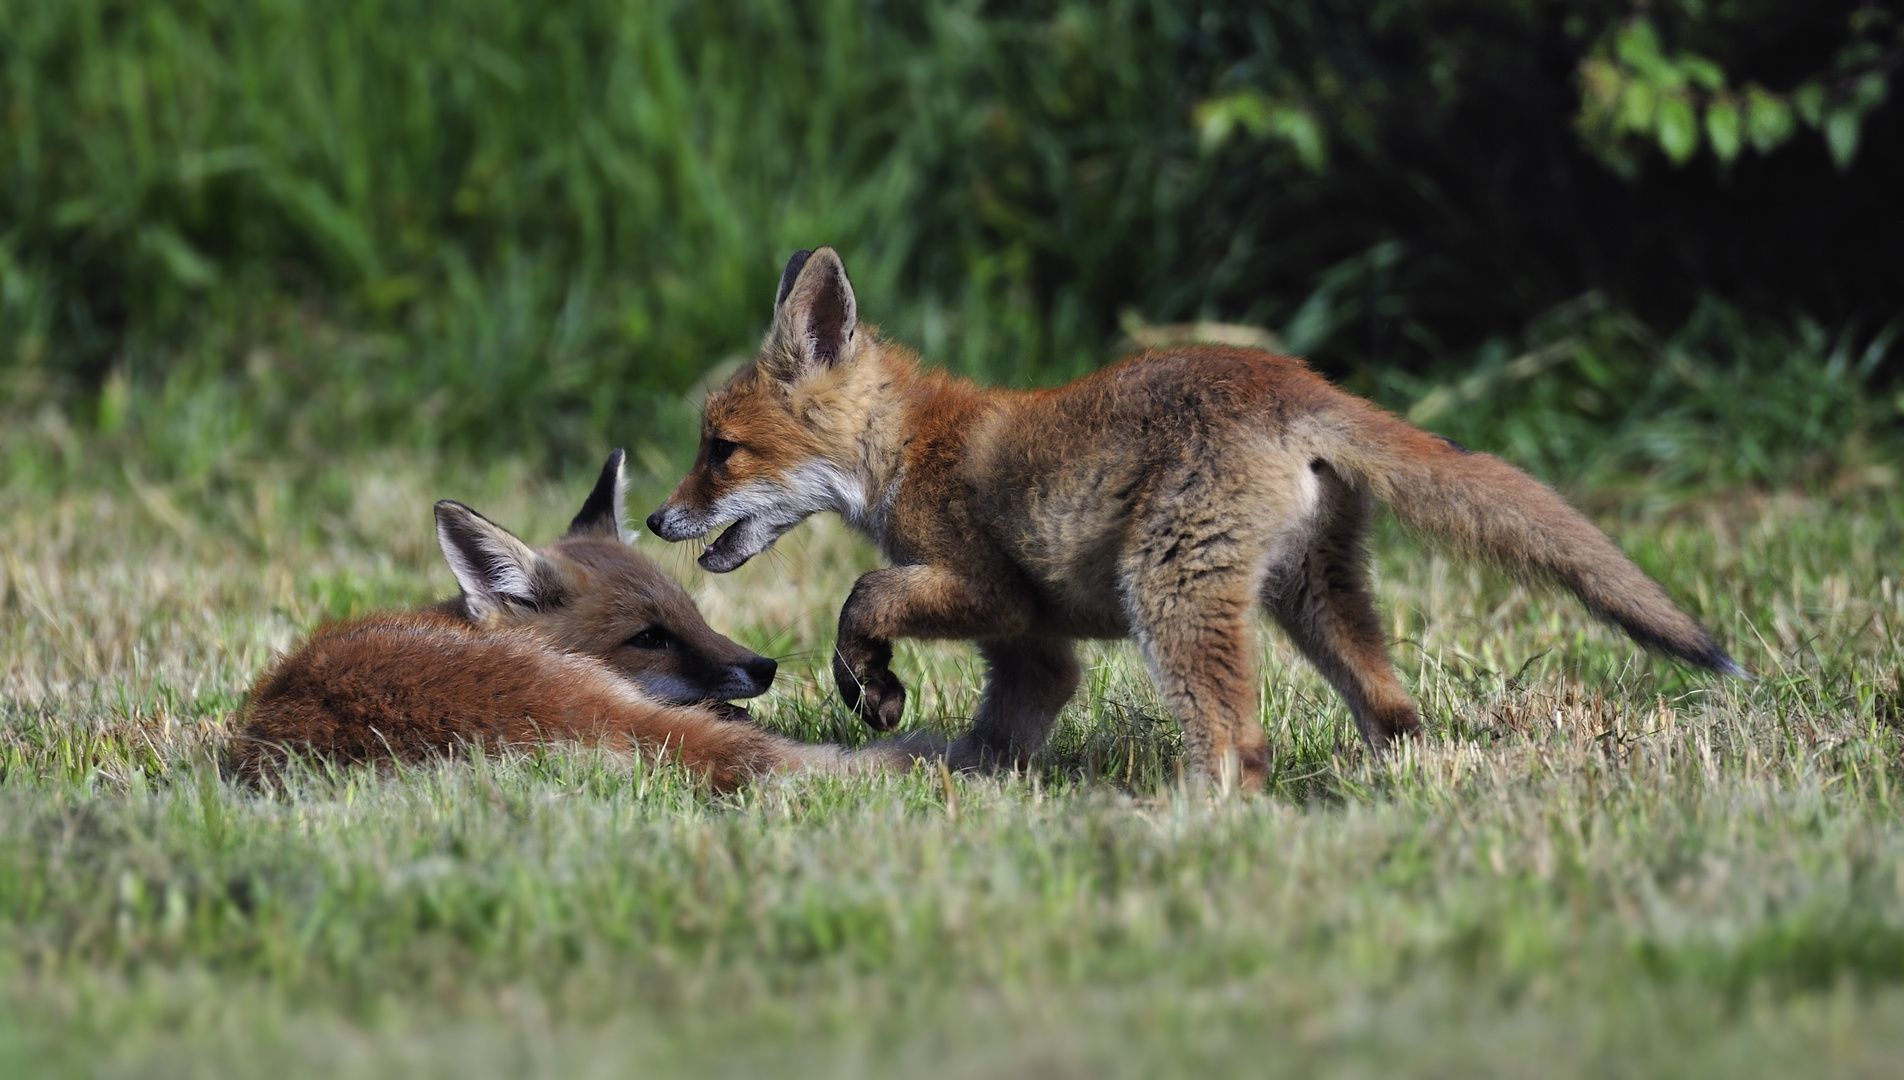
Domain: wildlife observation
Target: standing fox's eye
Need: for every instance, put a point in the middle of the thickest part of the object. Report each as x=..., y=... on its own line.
x=652, y=638
x=719, y=450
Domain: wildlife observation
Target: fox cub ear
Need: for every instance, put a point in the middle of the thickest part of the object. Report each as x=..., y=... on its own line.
x=494, y=568
x=815, y=315
x=601, y=515
x=789, y=276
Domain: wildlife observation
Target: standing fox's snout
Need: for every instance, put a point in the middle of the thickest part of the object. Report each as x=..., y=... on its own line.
x=755, y=517
x=748, y=534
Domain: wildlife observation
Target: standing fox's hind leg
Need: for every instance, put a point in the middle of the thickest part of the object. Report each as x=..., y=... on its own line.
x=1190, y=581
x=1322, y=601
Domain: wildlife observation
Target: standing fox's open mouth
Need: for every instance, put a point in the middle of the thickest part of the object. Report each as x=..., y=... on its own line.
x=743, y=539
x=730, y=549
x=747, y=537
x=756, y=515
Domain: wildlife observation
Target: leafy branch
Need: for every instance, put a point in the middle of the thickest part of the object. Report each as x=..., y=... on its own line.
x=1632, y=91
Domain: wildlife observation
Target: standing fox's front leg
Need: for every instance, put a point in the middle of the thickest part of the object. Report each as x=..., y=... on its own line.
x=913, y=602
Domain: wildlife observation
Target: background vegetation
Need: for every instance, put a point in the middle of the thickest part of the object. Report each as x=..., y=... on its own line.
x=274, y=276
x=293, y=226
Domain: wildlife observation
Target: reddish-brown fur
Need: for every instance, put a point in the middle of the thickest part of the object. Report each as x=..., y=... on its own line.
x=1164, y=498
x=583, y=640
x=411, y=685
x=591, y=592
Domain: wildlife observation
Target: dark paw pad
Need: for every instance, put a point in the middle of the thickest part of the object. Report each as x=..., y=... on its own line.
x=876, y=695
x=883, y=701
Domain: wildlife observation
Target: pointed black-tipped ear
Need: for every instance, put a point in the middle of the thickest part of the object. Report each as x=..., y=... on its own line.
x=494, y=568
x=601, y=514
x=788, y=276
x=816, y=317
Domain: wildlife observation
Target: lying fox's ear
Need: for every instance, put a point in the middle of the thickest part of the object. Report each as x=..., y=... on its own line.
x=601, y=514
x=789, y=276
x=494, y=568
x=815, y=315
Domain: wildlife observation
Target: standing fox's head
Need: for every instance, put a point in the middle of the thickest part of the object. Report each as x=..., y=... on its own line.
x=590, y=592
x=786, y=437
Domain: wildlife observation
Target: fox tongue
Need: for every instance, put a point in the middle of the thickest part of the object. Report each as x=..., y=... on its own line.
x=728, y=539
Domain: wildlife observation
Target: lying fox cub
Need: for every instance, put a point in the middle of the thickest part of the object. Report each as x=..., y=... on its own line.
x=585, y=639
x=1165, y=499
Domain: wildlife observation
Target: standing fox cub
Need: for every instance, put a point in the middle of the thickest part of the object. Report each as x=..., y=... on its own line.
x=1162, y=499
x=585, y=639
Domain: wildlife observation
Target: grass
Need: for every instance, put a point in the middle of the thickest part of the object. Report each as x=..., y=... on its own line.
x=1600, y=864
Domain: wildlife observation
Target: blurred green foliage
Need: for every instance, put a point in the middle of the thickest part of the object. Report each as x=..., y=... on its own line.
x=291, y=226
x=1592, y=395
x=495, y=215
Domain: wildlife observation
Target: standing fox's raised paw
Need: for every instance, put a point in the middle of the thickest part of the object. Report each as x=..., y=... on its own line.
x=867, y=683
x=862, y=659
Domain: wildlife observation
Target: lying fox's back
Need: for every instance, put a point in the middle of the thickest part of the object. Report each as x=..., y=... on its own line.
x=412, y=683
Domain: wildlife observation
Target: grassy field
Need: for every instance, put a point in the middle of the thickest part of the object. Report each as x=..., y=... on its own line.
x=274, y=277
x=1600, y=864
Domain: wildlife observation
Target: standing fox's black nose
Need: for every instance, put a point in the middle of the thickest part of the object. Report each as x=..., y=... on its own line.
x=654, y=524
x=761, y=669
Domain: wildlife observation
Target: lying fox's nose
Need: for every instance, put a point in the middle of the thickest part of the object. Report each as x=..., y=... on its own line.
x=654, y=524
x=761, y=669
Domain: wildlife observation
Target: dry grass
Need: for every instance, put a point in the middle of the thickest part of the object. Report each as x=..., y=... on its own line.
x=1600, y=864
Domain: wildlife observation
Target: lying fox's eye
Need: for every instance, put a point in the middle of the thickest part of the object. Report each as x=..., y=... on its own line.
x=719, y=450
x=652, y=638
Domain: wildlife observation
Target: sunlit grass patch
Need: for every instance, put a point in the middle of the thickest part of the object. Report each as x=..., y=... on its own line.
x=1596, y=862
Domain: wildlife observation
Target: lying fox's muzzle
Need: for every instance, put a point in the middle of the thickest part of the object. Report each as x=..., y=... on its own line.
x=700, y=682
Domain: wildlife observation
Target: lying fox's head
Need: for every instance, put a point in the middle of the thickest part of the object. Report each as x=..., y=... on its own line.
x=783, y=440
x=590, y=592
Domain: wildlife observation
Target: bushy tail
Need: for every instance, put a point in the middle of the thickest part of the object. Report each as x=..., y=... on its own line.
x=1487, y=506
